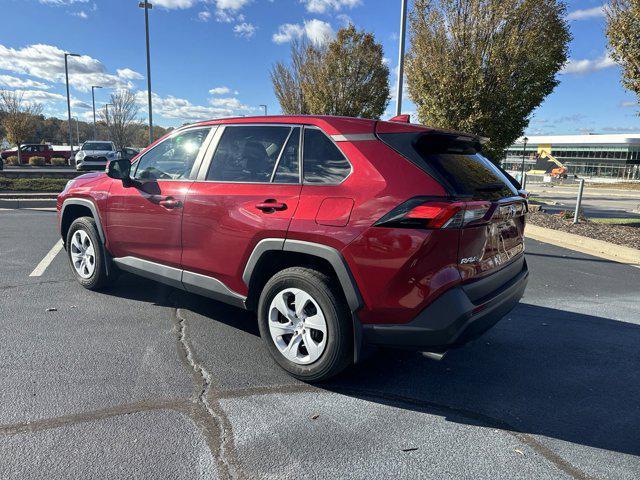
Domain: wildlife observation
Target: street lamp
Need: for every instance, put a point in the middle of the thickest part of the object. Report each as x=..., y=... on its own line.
x=148, y=6
x=265, y=109
x=66, y=74
x=524, y=153
x=403, y=27
x=93, y=98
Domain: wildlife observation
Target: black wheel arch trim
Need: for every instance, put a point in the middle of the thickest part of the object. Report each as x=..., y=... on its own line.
x=335, y=259
x=85, y=203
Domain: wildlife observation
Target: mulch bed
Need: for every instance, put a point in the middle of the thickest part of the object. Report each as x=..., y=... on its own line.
x=624, y=235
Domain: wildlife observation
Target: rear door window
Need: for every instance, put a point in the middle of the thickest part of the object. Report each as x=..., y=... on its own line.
x=324, y=163
x=248, y=154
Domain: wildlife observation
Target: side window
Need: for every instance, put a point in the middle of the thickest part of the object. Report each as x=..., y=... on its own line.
x=172, y=159
x=287, y=170
x=323, y=162
x=247, y=154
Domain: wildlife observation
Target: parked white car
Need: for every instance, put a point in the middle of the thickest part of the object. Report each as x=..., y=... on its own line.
x=93, y=155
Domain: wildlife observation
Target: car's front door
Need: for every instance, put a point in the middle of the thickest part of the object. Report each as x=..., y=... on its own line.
x=144, y=220
x=247, y=191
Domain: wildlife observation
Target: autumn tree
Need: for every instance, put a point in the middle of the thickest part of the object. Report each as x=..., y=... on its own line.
x=346, y=76
x=483, y=66
x=120, y=118
x=623, y=25
x=18, y=116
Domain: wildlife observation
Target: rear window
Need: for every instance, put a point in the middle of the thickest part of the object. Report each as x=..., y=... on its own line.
x=454, y=161
x=97, y=146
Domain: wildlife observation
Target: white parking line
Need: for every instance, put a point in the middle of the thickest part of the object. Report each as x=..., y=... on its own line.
x=46, y=261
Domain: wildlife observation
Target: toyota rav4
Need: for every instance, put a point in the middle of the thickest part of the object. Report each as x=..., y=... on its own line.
x=338, y=232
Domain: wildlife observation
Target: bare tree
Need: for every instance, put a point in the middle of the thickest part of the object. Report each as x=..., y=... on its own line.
x=18, y=116
x=287, y=79
x=121, y=118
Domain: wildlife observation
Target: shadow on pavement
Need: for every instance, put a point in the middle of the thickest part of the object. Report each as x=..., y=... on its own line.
x=540, y=371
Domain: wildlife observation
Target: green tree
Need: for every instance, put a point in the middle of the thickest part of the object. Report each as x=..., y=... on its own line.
x=623, y=27
x=483, y=66
x=346, y=76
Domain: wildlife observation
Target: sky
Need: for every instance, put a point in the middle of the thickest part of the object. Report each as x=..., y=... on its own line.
x=212, y=58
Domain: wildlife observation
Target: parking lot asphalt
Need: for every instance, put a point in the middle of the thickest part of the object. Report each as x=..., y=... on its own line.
x=146, y=381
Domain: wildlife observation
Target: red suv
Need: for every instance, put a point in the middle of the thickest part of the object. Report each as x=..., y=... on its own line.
x=338, y=232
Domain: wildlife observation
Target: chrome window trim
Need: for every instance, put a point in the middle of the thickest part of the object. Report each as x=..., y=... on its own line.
x=212, y=129
x=354, y=137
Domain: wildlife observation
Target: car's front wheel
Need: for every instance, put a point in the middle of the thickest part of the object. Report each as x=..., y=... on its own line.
x=86, y=254
x=306, y=324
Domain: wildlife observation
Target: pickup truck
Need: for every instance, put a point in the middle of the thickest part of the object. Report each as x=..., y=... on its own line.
x=45, y=150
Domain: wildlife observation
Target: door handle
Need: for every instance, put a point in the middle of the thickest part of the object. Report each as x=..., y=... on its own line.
x=170, y=203
x=271, y=205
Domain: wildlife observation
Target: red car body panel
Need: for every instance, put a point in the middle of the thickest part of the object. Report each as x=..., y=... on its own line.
x=399, y=271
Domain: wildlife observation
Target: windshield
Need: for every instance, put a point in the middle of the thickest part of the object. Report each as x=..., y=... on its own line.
x=97, y=146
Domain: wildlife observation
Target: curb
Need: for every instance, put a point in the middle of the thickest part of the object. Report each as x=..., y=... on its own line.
x=597, y=248
x=16, y=203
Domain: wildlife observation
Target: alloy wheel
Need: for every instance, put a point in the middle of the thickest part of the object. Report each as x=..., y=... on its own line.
x=297, y=326
x=83, y=255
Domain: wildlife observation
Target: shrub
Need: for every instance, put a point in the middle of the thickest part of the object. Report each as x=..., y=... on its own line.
x=37, y=161
x=12, y=160
x=32, y=184
x=58, y=161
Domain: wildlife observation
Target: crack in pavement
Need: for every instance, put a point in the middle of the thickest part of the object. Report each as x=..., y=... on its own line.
x=212, y=418
x=30, y=426
x=424, y=406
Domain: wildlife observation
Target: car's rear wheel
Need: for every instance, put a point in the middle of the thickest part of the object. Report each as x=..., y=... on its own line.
x=306, y=324
x=86, y=254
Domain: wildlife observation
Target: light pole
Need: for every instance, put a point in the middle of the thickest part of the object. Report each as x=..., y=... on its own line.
x=524, y=153
x=403, y=27
x=265, y=109
x=147, y=6
x=93, y=98
x=66, y=74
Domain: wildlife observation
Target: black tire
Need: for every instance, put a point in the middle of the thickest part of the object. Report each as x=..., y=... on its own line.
x=338, y=350
x=99, y=278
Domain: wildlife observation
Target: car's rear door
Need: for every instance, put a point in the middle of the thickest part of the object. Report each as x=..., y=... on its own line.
x=144, y=220
x=247, y=190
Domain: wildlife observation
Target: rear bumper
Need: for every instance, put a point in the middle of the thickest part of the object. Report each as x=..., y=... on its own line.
x=457, y=316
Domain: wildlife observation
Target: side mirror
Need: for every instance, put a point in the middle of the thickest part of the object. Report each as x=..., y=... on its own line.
x=120, y=170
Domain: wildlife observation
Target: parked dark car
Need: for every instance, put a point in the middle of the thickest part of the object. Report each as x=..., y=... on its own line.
x=338, y=232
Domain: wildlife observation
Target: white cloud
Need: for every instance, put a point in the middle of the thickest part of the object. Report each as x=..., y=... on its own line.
x=204, y=16
x=174, y=4
x=287, y=33
x=245, y=30
x=345, y=19
x=234, y=5
x=75, y=103
x=317, y=31
x=323, y=6
x=129, y=74
x=587, y=65
x=586, y=13
x=171, y=107
x=47, y=62
x=15, y=82
x=82, y=14
x=220, y=91
x=38, y=96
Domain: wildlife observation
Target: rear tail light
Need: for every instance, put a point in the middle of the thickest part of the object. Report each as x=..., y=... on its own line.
x=421, y=212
